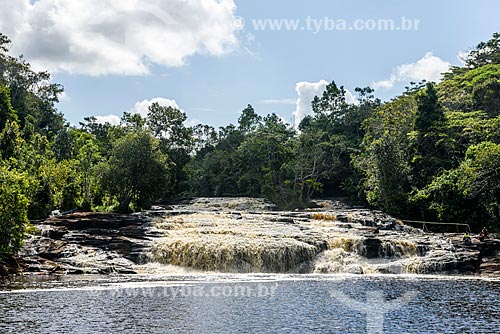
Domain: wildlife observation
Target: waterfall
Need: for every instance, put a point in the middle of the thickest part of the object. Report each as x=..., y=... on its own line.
x=371, y=247
x=280, y=242
x=229, y=254
x=348, y=244
x=435, y=261
x=397, y=249
x=220, y=242
x=337, y=260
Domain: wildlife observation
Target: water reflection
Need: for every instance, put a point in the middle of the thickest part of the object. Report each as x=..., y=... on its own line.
x=298, y=304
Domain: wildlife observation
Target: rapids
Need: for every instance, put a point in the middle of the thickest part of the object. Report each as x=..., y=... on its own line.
x=243, y=235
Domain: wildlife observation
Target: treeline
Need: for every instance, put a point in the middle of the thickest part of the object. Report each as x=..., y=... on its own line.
x=431, y=153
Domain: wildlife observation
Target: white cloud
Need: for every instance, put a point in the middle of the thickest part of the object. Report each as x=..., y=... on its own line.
x=100, y=37
x=279, y=101
x=306, y=92
x=349, y=98
x=141, y=107
x=463, y=55
x=427, y=68
x=111, y=119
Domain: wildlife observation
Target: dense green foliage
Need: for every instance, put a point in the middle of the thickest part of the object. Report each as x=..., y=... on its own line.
x=431, y=153
x=13, y=212
x=135, y=171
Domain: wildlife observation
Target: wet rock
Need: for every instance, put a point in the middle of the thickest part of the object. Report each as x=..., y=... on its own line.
x=89, y=243
x=226, y=204
x=9, y=267
x=194, y=237
x=342, y=218
x=371, y=248
x=490, y=262
x=441, y=261
x=4, y=270
x=354, y=269
x=248, y=235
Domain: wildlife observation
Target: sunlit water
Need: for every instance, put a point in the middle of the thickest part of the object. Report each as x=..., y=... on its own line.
x=217, y=303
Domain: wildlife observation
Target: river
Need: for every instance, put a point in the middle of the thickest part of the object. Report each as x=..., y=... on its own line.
x=248, y=303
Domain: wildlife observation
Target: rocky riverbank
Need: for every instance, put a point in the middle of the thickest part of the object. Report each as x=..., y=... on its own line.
x=247, y=235
x=86, y=243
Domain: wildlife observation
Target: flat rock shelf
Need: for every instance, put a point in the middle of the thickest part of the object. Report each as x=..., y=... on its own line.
x=247, y=235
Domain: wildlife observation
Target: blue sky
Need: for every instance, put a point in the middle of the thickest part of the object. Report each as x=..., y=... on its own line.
x=211, y=68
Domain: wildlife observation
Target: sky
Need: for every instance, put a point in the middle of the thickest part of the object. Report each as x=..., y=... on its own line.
x=210, y=58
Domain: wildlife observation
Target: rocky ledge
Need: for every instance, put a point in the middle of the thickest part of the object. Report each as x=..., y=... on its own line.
x=247, y=235
x=85, y=243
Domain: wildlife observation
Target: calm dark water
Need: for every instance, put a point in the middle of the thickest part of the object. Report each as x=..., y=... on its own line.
x=245, y=304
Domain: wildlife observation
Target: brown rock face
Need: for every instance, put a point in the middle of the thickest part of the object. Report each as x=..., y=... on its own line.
x=86, y=243
x=247, y=235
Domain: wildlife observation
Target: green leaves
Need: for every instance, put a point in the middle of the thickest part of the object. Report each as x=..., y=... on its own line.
x=7, y=112
x=384, y=155
x=167, y=124
x=485, y=53
x=136, y=172
x=248, y=120
x=332, y=103
x=429, y=113
x=468, y=193
x=176, y=140
x=13, y=210
x=32, y=94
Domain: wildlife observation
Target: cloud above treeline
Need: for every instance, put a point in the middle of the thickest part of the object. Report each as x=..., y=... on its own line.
x=428, y=68
x=306, y=91
x=111, y=119
x=140, y=107
x=102, y=37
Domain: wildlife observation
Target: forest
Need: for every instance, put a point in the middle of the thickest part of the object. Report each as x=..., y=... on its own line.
x=431, y=153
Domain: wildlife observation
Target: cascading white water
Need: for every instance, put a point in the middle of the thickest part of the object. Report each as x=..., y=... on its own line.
x=287, y=242
x=234, y=254
x=223, y=243
x=337, y=260
x=397, y=249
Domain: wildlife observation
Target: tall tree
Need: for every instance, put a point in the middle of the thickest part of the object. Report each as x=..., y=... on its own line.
x=13, y=210
x=384, y=155
x=485, y=53
x=7, y=112
x=429, y=140
x=136, y=172
x=31, y=93
x=248, y=120
x=176, y=140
